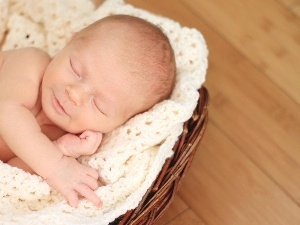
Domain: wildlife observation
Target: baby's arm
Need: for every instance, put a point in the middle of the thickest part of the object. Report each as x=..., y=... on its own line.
x=21, y=72
x=75, y=146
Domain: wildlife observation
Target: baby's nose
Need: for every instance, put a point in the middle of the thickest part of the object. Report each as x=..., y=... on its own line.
x=76, y=94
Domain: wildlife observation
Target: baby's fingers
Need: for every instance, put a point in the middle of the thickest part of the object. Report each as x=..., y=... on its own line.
x=92, y=173
x=89, y=194
x=72, y=198
x=91, y=182
x=92, y=137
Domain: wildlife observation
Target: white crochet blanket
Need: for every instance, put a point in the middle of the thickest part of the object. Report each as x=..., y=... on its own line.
x=130, y=157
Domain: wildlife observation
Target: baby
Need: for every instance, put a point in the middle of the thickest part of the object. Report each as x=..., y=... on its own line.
x=55, y=110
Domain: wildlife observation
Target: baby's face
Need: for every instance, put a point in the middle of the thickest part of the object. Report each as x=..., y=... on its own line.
x=87, y=87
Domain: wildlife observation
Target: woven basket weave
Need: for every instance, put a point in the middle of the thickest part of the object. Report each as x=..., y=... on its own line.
x=163, y=189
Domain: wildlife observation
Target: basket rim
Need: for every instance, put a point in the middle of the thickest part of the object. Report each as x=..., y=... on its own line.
x=162, y=191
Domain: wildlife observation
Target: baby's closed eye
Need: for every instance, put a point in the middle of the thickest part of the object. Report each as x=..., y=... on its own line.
x=98, y=106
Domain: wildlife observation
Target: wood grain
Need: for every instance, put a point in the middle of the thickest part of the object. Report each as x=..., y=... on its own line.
x=264, y=31
x=187, y=217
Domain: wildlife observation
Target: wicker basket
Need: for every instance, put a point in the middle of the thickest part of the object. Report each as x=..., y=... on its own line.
x=163, y=189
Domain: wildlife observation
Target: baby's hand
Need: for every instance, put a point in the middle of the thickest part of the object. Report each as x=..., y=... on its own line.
x=75, y=146
x=70, y=178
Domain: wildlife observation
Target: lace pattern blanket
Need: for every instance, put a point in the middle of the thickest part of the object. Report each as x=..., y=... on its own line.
x=131, y=156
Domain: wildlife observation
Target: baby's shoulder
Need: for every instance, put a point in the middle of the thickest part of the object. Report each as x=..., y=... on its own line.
x=21, y=73
x=25, y=55
x=26, y=62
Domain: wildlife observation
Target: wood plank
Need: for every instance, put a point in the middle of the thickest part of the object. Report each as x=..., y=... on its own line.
x=296, y=9
x=188, y=217
x=256, y=115
x=264, y=31
x=178, y=206
x=288, y=2
x=225, y=187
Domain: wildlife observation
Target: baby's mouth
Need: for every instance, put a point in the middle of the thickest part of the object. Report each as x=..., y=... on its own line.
x=58, y=106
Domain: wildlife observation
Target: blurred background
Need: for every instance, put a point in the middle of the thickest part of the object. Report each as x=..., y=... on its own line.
x=247, y=167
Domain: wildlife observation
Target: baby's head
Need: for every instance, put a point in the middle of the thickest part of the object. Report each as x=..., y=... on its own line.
x=110, y=71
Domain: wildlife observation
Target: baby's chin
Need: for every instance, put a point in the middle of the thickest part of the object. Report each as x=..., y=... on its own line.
x=79, y=129
x=69, y=128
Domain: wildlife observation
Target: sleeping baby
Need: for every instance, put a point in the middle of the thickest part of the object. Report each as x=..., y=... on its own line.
x=55, y=110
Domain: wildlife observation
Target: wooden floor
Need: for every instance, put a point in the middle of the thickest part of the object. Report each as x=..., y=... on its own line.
x=247, y=168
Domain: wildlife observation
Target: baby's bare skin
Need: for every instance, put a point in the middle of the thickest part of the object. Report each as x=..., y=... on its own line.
x=52, y=110
x=78, y=145
x=21, y=105
x=69, y=144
